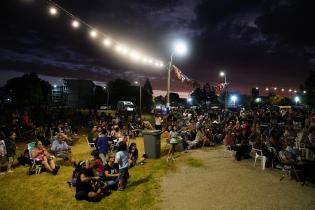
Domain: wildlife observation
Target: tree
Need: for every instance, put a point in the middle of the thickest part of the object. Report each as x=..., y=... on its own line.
x=174, y=99
x=309, y=86
x=121, y=90
x=198, y=97
x=28, y=90
x=147, y=95
x=159, y=100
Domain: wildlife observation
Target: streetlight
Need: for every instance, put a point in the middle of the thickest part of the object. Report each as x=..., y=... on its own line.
x=297, y=100
x=107, y=101
x=234, y=99
x=179, y=48
x=138, y=83
x=189, y=99
x=222, y=74
x=258, y=100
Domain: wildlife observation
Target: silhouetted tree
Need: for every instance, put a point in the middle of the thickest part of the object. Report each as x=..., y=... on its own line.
x=309, y=86
x=147, y=95
x=28, y=90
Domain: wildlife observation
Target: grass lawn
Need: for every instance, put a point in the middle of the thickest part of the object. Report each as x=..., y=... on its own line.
x=20, y=191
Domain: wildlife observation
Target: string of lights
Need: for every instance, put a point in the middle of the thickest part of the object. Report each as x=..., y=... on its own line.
x=55, y=9
x=282, y=90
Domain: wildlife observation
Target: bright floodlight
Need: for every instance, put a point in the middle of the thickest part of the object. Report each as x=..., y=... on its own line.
x=304, y=91
x=55, y=86
x=93, y=34
x=267, y=89
x=234, y=98
x=297, y=99
x=75, y=24
x=282, y=89
x=257, y=100
x=290, y=90
x=124, y=50
x=180, y=48
x=275, y=88
x=295, y=91
x=136, y=82
x=222, y=74
x=161, y=64
x=257, y=88
x=189, y=99
x=150, y=61
x=53, y=11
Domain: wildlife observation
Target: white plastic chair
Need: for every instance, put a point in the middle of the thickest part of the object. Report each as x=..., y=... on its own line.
x=91, y=144
x=259, y=155
x=228, y=150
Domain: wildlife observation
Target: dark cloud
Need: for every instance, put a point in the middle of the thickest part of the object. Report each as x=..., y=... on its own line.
x=258, y=42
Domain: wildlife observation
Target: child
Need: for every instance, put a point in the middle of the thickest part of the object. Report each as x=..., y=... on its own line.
x=11, y=150
x=99, y=163
x=133, y=154
x=3, y=153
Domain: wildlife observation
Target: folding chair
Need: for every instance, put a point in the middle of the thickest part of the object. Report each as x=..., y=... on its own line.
x=259, y=155
x=228, y=150
x=91, y=144
x=34, y=168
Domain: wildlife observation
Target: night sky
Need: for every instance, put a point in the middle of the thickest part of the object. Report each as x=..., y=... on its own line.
x=257, y=42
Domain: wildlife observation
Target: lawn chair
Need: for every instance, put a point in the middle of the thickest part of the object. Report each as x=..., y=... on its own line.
x=259, y=155
x=35, y=167
x=91, y=144
x=228, y=150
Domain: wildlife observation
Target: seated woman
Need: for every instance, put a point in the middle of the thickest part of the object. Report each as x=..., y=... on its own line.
x=41, y=156
x=111, y=172
x=84, y=183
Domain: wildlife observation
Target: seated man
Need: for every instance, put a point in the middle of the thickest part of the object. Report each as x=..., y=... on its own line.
x=84, y=183
x=60, y=148
x=40, y=154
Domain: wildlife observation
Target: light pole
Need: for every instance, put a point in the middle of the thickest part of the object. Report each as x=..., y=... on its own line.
x=107, y=101
x=179, y=48
x=297, y=100
x=234, y=99
x=223, y=74
x=138, y=83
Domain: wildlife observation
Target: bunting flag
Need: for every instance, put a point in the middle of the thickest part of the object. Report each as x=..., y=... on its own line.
x=179, y=74
x=183, y=78
x=221, y=86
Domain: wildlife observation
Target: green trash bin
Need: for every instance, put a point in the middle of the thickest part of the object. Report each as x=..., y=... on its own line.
x=152, y=143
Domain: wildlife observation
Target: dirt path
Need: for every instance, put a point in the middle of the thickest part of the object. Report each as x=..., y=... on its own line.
x=223, y=183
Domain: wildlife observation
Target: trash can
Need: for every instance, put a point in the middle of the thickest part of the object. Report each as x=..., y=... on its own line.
x=152, y=143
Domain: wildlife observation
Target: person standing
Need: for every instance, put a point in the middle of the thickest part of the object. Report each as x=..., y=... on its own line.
x=158, y=122
x=173, y=141
x=11, y=150
x=121, y=159
x=102, y=145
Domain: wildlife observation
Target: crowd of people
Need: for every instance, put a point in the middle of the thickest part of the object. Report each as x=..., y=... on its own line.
x=282, y=136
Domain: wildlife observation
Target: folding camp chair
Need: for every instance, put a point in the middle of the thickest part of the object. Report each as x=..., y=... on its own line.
x=35, y=168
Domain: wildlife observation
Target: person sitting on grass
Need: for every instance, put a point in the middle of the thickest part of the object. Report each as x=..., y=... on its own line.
x=121, y=159
x=112, y=172
x=85, y=189
x=60, y=148
x=40, y=154
x=99, y=163
x=133, y=153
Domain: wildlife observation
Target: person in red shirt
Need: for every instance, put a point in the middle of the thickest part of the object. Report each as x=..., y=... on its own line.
x=99, y=164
